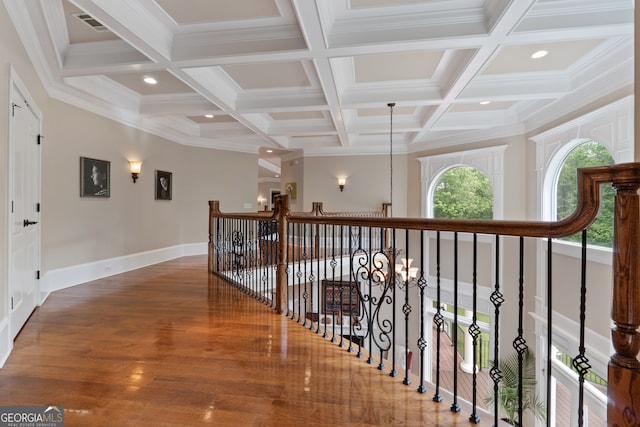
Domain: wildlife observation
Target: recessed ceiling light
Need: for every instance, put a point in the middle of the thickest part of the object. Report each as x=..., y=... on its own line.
x=209, y=116
x=277, y=176
x=150, y=80
x=485, y=102
x=539, y=54
x=269, y=151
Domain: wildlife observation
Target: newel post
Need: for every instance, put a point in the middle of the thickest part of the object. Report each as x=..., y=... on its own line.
x=623, y=407
x=214, y=207
x=282, y=207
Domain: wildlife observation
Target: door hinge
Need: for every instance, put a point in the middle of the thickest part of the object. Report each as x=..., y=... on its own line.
x=12, y=206
x=11, y=303
x=38, y=274
x=37, y=207
x=40, y=138
x=13, y=108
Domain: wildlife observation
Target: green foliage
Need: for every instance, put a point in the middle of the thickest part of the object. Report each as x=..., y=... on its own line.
x=463, y=193
x=588, y=154
x=508, y=388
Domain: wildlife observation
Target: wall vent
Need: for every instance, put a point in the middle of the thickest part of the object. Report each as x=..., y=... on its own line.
x=91, y=21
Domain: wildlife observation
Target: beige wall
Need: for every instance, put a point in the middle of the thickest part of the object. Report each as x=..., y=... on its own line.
x=264, y=192
x=367, y=185
x=292, y=171
x=77, y=230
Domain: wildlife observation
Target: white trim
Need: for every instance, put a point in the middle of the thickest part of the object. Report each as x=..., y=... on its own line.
x=6, y=343
x=21, y=88
x=488, y=160
x=65, y=277
x=598, y=254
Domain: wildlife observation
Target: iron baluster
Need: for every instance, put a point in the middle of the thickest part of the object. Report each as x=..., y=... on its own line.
x=392, y=290
x=496, y=299
x=352, y=310
x=581, y=362
x=406, y=310
x=549, y=324
x=438, y=321
x=296, y=254
x=422, y=342
x=290, y=235
x=474, y=331
x=312, y=277
x=334, y=264
x=305, y=294
x=520, y=344
x=454, y=405
x=341, y=314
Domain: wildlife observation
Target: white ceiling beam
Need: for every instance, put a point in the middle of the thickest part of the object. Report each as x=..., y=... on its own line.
x=136, y=24
x=309, y=17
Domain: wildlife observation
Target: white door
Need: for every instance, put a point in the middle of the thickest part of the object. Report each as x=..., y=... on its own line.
x=24, y=208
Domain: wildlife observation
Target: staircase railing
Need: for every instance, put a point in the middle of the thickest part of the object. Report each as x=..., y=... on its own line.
x=347, y=277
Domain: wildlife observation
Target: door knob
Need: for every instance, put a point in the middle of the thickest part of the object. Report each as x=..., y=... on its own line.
x=26, y=223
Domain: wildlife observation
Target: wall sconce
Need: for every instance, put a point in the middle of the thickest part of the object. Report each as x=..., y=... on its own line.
x=135, y=167
x=341, y=183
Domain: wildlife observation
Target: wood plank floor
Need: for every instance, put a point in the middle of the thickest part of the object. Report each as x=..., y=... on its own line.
x=170, y=345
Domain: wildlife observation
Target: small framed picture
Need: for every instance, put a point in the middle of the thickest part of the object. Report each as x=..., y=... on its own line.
x=95, y=177
x=163, y=185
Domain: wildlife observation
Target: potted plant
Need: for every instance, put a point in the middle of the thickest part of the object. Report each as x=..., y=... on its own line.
x=508, y=388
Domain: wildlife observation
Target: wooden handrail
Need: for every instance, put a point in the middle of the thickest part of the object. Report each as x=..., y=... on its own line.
x=589, y=180
x=317, y=210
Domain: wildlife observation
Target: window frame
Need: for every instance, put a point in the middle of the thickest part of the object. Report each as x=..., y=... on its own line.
x=610, y=126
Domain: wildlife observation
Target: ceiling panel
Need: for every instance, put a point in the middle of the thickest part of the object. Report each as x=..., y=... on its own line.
x=396, y=66
x=198, y=11
x=167, y=83
x=561, y=55
x=209, y=120
x=298, y=115
x=268, y=75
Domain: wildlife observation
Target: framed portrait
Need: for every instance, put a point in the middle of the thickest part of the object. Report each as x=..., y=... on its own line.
x=95, y=177
x=164, y=181
x=291, y=190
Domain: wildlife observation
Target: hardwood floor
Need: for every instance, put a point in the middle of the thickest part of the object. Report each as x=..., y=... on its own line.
x=170, y=345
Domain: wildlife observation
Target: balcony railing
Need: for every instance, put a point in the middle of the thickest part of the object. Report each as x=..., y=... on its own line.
x=347, y=277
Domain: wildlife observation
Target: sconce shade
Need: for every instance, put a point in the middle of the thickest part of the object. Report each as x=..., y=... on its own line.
x=341, y=183
x=135, y=167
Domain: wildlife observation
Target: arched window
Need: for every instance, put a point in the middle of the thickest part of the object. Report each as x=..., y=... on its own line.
x=559, y=151
x=463, y=192
x=590, y=153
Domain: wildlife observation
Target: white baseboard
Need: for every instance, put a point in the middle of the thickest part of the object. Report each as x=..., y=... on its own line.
x=6, y=342
x=62, y=278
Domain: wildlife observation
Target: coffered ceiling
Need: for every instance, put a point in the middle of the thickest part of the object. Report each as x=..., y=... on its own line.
x=315, y=76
